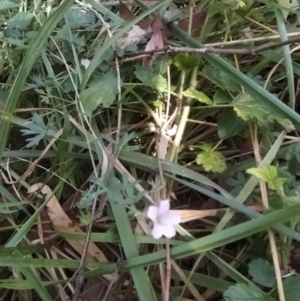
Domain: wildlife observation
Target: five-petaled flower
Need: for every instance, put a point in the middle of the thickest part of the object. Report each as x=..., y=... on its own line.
x=164, y=220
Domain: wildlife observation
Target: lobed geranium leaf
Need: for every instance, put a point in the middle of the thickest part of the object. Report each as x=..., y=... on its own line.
x=211, y=160
x=151, y=78
x=269, y=174
x=102, y=91
x=243, y=292
x=249, y=108
x=262, y=272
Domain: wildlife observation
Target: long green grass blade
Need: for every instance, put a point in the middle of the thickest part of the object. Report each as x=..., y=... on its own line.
x=140, y=278
x=209, y=242
x=238, y=207
x=197, y=246
x=34, y=280
x=31, y=55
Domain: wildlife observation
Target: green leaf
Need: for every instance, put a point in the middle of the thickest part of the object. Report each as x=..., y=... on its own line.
x=101, y=91
x=290, y=151
x=211, y=160
x=217, y=8
x=185, y=62
x=31, y=55
x=230, y=124
x=269, y=174
x=291, y=286
x=8, y=5
x=237, y=184
x=151, y=78
x=292, y=4
x=207, y=147
x=141, y=281
x=249, y=108
x=262, y=272
x=220, y=78
x=256, y=78
x=244, y=292
x=286, y=123
x=77, y=17
x=193, y=93
x=12, y=33
x=33, y=278
x=21, y=20
x=66, y=34
x=221, y=97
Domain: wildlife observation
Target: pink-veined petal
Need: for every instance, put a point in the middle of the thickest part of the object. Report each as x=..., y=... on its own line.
x=163, y=207
x=170, y=218
x=157, y=231
x=152, y=213
x=169, y=231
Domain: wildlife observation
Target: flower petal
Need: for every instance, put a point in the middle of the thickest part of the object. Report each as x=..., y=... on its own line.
x=169, y=231
x=170, y=218
x=157, y=231
x=152, y=213
x=163, y=207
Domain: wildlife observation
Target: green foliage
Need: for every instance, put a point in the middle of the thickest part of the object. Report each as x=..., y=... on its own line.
x=45, y=75
x=211, y=160
x=292, y=4
x=220, y=78
x=8, y=4
x=21, y=20
x=242, y=292
x=78, y=17
x=262, y=272
x=249, y=108
x=36, y=127
x=237, y=183
x=200, y=96
x=151, y=79
x=67, y=35
x=221, y=97
x=286, y=123
x=102, y=91
x=290, y=151
x=256, y=78
x=269, y=174
x=291, y=286
x=185, y=62
x=89, y=196
x=123, y=191
x=229, y=124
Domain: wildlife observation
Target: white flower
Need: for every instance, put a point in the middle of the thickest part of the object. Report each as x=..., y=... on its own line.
x=164, y=220
x=85, y=63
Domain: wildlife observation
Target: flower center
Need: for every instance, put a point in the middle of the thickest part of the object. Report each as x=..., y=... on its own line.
x=160, y=219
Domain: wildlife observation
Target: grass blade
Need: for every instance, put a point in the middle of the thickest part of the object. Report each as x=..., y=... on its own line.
x=31, y=55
